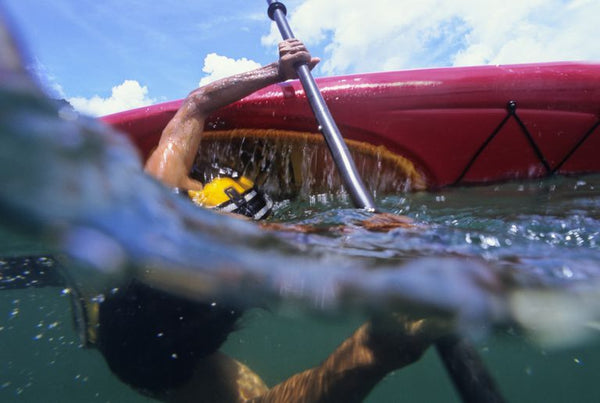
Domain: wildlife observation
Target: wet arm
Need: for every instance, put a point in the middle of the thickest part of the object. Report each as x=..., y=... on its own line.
x=174, y=156
x=347, y=375
x=172, y=160
x=356, y=366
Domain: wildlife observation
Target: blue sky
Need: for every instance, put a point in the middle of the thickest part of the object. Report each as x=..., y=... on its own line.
x=110, y=55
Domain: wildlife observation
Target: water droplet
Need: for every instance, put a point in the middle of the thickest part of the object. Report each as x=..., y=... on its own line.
x=567, y=272
x=488, y=241
x=98, y=298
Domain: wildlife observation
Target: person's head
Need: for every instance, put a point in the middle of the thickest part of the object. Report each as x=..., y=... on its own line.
x=231, y=192
x=153, y=340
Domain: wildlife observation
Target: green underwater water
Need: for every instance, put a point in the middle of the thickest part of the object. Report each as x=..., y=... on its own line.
x=41, y=359
x=551, y=225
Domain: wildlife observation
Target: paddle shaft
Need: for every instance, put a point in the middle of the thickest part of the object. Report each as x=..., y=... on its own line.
x=461, y=360
x=339, y=151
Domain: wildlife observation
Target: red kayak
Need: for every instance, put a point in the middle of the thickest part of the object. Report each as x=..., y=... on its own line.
x=438, y=127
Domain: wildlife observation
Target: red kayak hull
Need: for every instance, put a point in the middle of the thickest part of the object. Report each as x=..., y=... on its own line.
x=463, y=125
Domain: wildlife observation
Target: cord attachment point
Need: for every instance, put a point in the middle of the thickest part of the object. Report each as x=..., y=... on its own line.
x=511, y=106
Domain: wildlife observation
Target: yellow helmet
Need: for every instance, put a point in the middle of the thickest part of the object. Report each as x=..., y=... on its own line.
x=233, y=194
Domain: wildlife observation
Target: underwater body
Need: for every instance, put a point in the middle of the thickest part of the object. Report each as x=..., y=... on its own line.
x=517, y=263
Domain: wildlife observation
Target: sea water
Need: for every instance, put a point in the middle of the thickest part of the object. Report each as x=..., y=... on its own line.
x=540, y=233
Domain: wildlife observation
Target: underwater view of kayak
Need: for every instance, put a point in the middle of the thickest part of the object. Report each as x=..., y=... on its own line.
x=434, y=127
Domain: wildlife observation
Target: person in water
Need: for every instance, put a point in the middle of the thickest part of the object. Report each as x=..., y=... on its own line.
x=167, y=347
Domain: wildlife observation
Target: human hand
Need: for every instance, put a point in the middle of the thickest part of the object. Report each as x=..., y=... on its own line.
x=292, y=52
x=398, y=339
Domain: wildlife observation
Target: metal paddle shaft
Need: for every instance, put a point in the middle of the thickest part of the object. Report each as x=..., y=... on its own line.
x=339, y=151
x=461, y=360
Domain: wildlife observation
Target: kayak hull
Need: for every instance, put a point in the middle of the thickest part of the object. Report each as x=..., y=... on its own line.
x=458, y=126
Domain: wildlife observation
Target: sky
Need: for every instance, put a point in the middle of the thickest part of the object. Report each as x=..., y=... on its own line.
x=112, y=55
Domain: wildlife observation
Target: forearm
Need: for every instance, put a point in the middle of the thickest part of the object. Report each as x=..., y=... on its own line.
x=223, y=92
x=347, y=375
x=220, y=93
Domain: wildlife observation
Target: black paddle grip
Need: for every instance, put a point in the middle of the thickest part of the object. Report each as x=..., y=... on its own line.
x=276, y=5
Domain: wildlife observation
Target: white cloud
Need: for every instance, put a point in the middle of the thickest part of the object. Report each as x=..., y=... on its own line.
x=360, y=36
x=130, y=94
x=217, y=67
